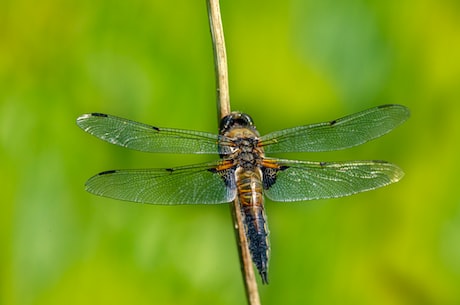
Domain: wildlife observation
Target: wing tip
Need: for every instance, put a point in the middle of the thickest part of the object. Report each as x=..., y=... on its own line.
x=398, y=174
x=395, y=172
x=401, y=108
x=83, y=117
x=89, y=184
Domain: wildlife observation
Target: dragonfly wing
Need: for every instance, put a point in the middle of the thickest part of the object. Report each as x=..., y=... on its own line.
x=143, y=137
x=337, y=134
x=196, y=184
x=304, y=180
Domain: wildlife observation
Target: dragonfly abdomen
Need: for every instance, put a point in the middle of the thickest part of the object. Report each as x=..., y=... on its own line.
x=249, y=186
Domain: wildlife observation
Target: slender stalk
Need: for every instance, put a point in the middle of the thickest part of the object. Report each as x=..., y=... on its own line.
x=220, y=58
x=223, y=108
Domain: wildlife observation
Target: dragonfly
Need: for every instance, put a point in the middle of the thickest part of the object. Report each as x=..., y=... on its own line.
x=244, y=172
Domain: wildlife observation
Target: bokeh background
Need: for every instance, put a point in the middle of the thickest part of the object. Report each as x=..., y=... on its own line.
x=291, y=63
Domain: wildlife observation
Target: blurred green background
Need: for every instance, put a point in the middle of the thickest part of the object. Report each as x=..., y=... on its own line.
x=291, y=63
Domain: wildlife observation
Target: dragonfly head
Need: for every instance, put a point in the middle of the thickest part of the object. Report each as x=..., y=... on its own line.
x=235, y=120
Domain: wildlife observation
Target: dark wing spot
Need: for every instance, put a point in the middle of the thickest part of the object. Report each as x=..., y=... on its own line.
x=332, y=123
x=269, y=175
x=228, y=175
x=322, y=164
x=107, y=172
x=169, y=170
x=155, y=128
x=384, y=106
x=102, y=115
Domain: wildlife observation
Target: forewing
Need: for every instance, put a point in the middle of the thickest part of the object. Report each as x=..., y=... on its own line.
x=147, y=138
x=196, y=184
x=304, y=180
x=338, y=134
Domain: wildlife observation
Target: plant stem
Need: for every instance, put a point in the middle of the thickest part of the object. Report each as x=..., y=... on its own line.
x=220, y=58
x=223, y=108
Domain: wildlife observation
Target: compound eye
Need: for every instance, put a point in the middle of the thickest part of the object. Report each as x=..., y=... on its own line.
x=246, y=119
x=226, y=122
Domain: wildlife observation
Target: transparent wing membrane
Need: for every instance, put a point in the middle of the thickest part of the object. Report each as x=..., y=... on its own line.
x=304, y=180
x=147, y=138
x=196, y=184
x=338, y=134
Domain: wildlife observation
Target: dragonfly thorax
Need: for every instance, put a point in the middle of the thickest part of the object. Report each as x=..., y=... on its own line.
x=245, y=151
x=240, y=141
